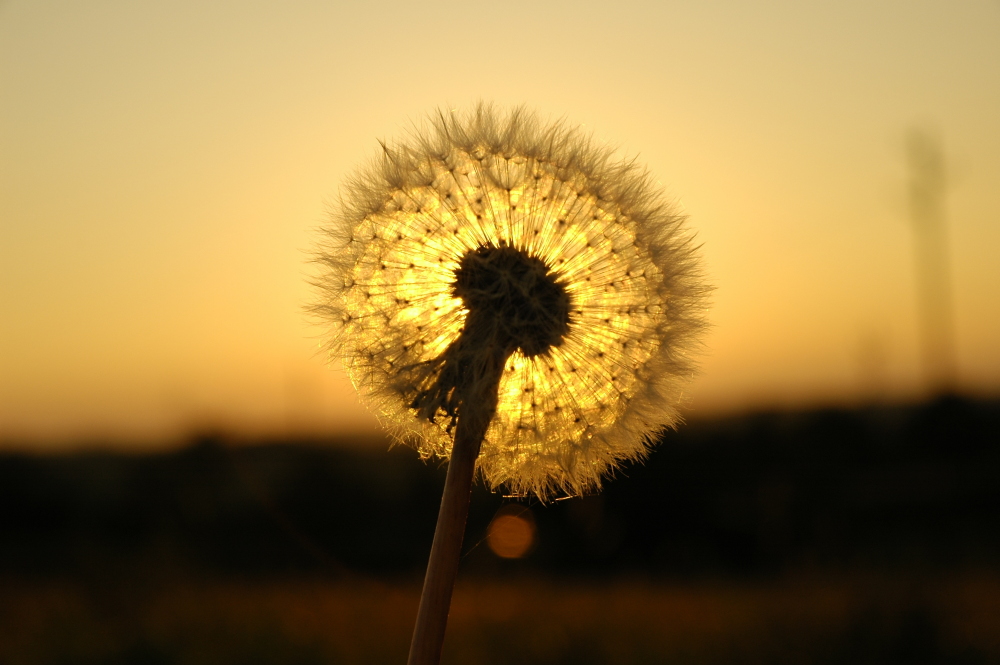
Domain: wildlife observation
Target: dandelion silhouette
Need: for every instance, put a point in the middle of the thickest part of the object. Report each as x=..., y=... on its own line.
x=511, y=297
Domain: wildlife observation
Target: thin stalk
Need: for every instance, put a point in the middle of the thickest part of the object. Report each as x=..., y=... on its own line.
x=442, y=567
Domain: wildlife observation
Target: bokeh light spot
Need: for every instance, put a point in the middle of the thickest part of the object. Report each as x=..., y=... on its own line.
x=511, y=534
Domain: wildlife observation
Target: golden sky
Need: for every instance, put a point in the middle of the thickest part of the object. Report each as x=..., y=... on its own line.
x=164, y=166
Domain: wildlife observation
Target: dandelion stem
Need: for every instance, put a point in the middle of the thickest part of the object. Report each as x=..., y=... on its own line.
x=442, y=567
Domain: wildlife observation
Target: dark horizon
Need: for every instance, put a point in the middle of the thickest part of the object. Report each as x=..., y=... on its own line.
x=742, y=495
x=828, y=536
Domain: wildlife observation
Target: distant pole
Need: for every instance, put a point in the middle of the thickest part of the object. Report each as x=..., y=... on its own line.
x=927, y=193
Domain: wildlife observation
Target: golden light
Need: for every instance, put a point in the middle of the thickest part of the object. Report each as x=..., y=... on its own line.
x=621, y=255
x=511, y=534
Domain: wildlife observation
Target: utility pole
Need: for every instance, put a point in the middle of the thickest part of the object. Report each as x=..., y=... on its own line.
x=927, y=210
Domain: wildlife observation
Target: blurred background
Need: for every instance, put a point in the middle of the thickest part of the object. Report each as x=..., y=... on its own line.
x=186, y=478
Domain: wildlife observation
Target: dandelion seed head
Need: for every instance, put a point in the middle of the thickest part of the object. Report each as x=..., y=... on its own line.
x=492, y=237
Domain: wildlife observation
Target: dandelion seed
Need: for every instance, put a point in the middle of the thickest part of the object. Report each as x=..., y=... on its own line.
x=575, y=263
x=511, y=297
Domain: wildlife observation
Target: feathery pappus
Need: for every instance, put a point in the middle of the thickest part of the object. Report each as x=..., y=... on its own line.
x=493, y=248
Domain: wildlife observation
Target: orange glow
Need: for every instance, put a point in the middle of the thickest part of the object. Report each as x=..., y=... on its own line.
x=164, y=169
x=511, y=534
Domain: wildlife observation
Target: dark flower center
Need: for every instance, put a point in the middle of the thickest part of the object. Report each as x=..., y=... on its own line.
x=514, y=297
x=514, y=302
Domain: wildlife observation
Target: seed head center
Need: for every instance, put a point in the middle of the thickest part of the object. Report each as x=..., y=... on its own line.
x=514, y=302
x=514, y=298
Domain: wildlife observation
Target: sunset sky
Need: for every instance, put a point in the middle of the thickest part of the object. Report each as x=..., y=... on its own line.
x=164, y=168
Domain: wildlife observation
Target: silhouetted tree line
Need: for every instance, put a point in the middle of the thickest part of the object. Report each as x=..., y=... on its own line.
x=916, y=486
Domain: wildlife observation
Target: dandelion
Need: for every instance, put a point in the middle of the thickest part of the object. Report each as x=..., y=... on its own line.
x=510, y=296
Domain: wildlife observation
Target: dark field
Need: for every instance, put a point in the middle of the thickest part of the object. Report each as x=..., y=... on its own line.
x=868, y=536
